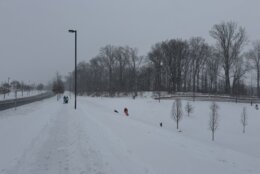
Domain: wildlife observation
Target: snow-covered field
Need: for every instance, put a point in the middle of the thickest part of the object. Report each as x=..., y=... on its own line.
x=49, y=137
x=20, y=94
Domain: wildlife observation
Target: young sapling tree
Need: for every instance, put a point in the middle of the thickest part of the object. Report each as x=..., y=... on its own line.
x=177, y=111
x=244, y=119
x=188, y=108
x=213, y=121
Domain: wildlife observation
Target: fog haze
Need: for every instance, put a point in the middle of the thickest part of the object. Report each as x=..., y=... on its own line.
x=35, y=43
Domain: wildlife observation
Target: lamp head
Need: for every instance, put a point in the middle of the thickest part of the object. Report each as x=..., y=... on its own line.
x=72, y=31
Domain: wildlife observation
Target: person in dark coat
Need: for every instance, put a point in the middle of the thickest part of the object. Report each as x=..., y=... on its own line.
x=126, y=111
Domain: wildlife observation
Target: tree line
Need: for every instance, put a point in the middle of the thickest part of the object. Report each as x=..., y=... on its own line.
x=176, y=65
x=15, y=86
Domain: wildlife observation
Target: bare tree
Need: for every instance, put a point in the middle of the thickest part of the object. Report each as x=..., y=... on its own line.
x=16, y=85
x=254, y=58
x=107, y=54
x=156, y=57
x=213, y=121
x=244, y=119
x=177, y=111
x=58, y=86
x=99, y=74
x=175, y=53
x=145, y=77
x=135, y=62
x=40, y=86
x=212, y=65
x=188, y=108
x=239, y=70
x=230, y=41
x=121, y=60
x=4, y=89
x=199, y=51
x=114, y=69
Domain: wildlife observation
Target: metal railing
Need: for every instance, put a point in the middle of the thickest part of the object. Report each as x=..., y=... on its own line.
x=218, y=98
x=6, y=104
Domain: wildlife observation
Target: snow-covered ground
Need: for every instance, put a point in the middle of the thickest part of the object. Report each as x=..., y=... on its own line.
x=49, y=137
x=20, y=94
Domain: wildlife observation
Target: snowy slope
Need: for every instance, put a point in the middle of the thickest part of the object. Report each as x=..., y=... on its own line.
x=51, y=137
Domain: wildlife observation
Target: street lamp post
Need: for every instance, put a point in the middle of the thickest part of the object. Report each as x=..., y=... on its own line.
x=75, y=31
x=160, y=80
x=8, y=86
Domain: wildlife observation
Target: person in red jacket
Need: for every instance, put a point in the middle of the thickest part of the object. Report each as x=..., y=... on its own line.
x=126, y=111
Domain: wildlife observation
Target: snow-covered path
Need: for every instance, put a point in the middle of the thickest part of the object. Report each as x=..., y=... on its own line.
x=61, y=146
x=68, y=142
x=49, y=137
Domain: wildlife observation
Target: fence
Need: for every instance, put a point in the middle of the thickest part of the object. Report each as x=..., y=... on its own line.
x=217, y=98
x=6, y=104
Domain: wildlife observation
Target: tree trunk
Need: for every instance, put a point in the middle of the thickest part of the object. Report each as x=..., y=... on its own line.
x=135, y=84
x=121, y=88
x=193, y=82
x=198, y=81
x=258, y=79
x=227, y=81
x=173, y=84
x=110, y=81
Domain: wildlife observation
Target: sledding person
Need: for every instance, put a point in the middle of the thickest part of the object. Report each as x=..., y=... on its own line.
x=126, y=111
x=256, y=107
x=65, y=99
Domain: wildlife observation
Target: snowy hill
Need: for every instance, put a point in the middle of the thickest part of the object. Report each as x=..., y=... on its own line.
x=50, y=137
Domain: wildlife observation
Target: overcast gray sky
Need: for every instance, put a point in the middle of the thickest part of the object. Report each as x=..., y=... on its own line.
x=35, y=43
